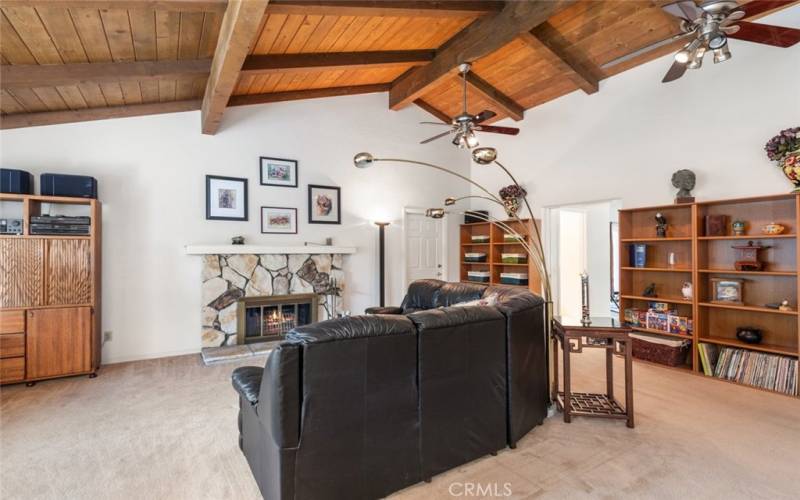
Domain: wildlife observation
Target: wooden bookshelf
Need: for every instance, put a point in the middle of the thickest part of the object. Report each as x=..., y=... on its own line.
x=494, y=248
x=701, y=257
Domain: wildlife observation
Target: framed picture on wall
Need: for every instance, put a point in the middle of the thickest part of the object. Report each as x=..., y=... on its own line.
x=226, y=198
x=278, y=220
x=278, y=172
x=324, y=204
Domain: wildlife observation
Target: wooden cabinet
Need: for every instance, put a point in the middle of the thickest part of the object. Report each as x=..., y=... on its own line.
x=58, y=341
x=12, y=370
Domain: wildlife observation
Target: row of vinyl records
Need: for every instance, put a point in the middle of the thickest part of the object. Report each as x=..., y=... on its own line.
x=768, y=371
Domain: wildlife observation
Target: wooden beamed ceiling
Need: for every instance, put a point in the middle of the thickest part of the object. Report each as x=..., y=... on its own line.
x=75, y=60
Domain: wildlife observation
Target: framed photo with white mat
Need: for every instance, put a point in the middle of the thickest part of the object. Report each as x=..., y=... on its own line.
x=324, y=204
x=278, y=172
x=278, y=220
x=226, y=198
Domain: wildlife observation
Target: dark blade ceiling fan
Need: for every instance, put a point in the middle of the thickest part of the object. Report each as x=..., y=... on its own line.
x=465, y=125
x=708, y=26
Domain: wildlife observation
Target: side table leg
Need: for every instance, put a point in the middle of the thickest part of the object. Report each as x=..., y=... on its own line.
x=567, y=389
x=554, y=385
x=629, y=383
x=610, y=371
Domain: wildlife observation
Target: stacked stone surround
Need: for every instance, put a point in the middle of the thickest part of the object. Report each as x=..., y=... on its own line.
x=228, y=278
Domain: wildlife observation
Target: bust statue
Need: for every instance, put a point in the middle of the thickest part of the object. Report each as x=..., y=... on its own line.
x=684, y=180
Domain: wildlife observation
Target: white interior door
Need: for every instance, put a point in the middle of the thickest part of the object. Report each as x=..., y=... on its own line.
x=424, y=247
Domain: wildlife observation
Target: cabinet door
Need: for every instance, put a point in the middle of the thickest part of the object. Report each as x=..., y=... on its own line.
x=58, y=341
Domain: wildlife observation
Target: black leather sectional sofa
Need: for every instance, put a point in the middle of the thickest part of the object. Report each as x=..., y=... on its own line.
x=359, y=407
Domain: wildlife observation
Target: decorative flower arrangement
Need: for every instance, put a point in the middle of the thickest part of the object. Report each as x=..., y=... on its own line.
x=513, y=191
x=784, y=149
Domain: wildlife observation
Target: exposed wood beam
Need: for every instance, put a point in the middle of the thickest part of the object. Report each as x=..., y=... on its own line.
x=553, y=50
x=239, y=30
x=296, y=95
x=440, y=115
x=505, y=103
x=480, y=38
x=82, y=115
x=169, y=5
x=329, y=61
x=445, y=8
x=50, y=75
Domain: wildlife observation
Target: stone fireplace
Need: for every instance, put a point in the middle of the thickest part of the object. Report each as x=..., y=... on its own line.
x=233, y=276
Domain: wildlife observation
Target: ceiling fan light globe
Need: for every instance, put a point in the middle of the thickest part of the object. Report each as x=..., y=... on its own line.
x=682, y=56
x=718, y=41
x=363, y=160
x=484, y=156
x=471, y=140
x=434, y=213
x=722, y=54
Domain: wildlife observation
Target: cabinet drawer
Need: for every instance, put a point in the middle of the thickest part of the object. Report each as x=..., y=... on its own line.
x=12, y=322
x=12, y=345
x=12, y=370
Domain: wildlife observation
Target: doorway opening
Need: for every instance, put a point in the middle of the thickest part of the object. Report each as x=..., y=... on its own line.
x=583, y=237
x=425, y=246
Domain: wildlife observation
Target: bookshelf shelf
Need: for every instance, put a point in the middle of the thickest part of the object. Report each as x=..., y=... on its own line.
x=748, y=308
x=701, y=258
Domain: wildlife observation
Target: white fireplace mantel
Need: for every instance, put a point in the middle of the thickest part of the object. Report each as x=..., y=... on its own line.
x=264, y=250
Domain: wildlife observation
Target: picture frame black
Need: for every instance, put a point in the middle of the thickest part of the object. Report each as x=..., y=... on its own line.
x=264, y=161
x=313, y=216
x=210, y=209
x=292, y=209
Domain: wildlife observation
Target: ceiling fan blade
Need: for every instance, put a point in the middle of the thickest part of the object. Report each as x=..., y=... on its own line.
x=646, y=49
x=436, y=123
x=438, y=136
x=757, y=7
x=483, y=116
x=685, y=10
x=675, y=71
x=497, y=130
x=767, y=34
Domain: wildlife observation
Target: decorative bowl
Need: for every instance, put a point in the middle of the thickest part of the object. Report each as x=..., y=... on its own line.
x=748, y=335
x=773, y=228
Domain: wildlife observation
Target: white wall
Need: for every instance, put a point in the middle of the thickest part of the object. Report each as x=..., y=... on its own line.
x=151, y=173
x=626, y=140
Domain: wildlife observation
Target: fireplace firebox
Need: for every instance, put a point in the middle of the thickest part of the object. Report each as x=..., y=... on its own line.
x=265, y=318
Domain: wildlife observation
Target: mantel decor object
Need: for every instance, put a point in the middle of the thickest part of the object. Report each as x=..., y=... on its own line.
x=747, y=257
x=784, y=150
x=684, y=180
x=661, y=225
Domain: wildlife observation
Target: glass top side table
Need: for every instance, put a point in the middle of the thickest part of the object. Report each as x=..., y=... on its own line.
x=602, y=333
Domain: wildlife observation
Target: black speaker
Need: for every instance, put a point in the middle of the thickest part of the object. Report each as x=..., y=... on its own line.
x=15, y=181
x=75, y=186
x=472, y=216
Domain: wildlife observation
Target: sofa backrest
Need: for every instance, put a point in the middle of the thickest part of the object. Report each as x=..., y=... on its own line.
x=421, y=295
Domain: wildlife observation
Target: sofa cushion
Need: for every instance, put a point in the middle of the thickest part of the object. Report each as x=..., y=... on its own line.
x=421, y=295
x=511, y=298
x=247, y=382
x=352, y=327
x=383, y=310
x=453, y=293
x=453, y=316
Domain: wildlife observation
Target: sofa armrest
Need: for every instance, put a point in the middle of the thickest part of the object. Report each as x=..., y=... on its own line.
x=247, y=382
x=384, y=310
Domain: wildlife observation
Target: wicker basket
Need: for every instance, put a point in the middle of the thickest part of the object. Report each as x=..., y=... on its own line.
x=660, y=350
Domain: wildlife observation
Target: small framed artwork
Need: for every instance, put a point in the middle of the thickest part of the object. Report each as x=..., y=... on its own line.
x=278, y=220
x=726, y=291
x=226, y=198
x=278, y=172
x=324, y=205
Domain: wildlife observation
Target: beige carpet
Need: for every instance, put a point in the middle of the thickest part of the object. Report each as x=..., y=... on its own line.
x=166, y=429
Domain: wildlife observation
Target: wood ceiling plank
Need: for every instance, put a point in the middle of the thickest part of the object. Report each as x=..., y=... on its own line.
x=51, y=118
x=118, y=33
x=29, y=100
x=72, y=96
x=184, y=89
x=191, y=31
x=9, y=103
x=326, y=61
x=354, y=30
x=200, y=86
x=62, y=31
x=546, y=42
x=131, y=93
x=12, y=46
x=303, y=33
x=208, y=39
x=493, y=95
x=244, y=100
x=143, y=32
x=439, y=115
x=324, y=27
x=34, y=35
x=239, y=31
x=159, y=5
x=376, y=33
x=50, y=97
x=269, y=33
x=149, y=89
x=362, y=33
x=389, y=39
x=89, y=27
x=447, y=8
x=482, y=37
x=286, y=34
x=92, y=95
x=341, y=25
x=168, y=27
x=112, y=93
x=167, y=90
x=70, y=74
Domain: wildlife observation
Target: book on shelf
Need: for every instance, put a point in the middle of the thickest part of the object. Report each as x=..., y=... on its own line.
x=767, y=371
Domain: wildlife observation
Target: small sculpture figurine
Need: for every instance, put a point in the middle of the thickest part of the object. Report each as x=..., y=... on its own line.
x=586, y=319
x=785, y=306
x=237, y=240
x=738, y=227
x=650, y=291
x=684, y=180
x=748, y=334
x=687, y=290
x=661, y=225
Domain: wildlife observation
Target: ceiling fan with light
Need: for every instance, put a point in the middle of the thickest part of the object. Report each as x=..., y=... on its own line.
x=465, y=125
x=708, y=27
